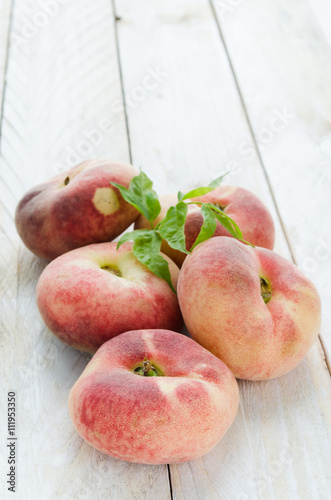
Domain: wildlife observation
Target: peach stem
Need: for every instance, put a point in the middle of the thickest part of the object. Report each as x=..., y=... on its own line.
x=148, y=369
x=265, y=289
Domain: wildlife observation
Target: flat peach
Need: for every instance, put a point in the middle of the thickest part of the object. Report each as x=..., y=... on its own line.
x=241, y=205
x=250, y=307
x=154, y=397
x=75, y=208
x=94, y=293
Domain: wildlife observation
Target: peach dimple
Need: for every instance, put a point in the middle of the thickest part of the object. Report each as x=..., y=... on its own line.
x=94, y=293
x=248, y=306
x=140, y=415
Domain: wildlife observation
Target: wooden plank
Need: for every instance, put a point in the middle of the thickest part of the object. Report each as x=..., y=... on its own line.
x=187, y=129
x=63, y=88
x=5, y=8
x=292, y=72
x=321, y=14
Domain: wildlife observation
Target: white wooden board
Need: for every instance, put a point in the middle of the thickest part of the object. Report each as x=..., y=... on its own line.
x=5, y=6
x=185, y=131
x=63, y=103
x=291, y=75
x=62, y=88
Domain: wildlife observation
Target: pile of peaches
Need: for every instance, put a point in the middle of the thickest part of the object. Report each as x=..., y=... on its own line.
x=151, y=394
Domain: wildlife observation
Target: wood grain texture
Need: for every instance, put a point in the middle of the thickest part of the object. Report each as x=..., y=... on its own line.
x=187, y=125
x=290, y=43
x=321, y=10
x=5, y=6
x=63, y=87
x=185, y=131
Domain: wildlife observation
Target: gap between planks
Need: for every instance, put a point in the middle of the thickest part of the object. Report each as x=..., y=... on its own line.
x=170, y=484
x=6, y=60
x=116, y=20
x=250, y=126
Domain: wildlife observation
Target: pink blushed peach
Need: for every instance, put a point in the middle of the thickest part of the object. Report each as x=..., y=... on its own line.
x=250, y=307
x=246, y=209
x=94, y=293
x=154, y=397
x=76, y=208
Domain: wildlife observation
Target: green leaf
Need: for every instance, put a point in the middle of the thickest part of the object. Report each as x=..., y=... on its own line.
x=141, y=195
x=217, y=182
x=209, y=225
x=146, y=247
x=195, y=193
x=171, y=228
x=147, y=250
x=132, y=236
x=226, y=221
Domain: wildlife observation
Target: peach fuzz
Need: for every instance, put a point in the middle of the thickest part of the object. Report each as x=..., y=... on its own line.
x=94, y=293
x=75, y=208
x=250, y=307
x=241, y=205
x=247, y=210
x=175, y=413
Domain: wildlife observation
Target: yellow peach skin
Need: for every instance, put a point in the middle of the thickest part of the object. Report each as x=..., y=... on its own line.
x=154, y=397
x=250, y=307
